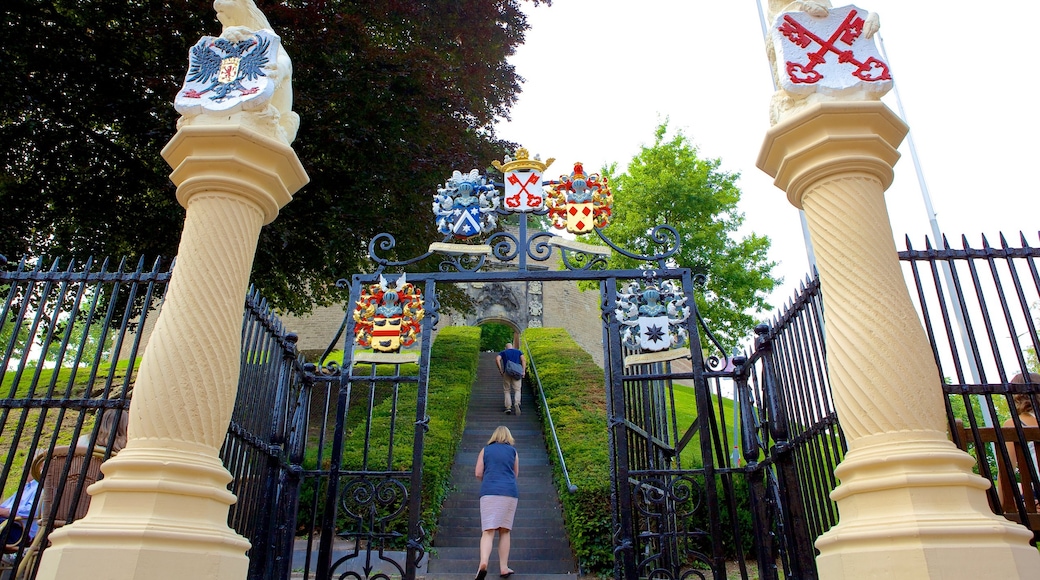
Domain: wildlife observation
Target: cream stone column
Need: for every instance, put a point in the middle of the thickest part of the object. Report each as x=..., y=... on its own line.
x=909, y=504
x=161, y=510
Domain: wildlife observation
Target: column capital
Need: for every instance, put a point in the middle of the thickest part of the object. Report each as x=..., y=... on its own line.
x=830, y=139
x=233, y=159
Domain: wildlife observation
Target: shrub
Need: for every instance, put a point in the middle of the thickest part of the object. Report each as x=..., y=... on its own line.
x=573, y=386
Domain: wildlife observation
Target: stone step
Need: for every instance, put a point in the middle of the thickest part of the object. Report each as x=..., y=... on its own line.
x=523, y=568
x=548, y=547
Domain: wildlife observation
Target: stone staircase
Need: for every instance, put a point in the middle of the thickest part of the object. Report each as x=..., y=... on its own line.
x=539, y=548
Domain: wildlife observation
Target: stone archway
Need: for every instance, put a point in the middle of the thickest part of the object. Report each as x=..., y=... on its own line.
x=514, y=337
x=516, y=304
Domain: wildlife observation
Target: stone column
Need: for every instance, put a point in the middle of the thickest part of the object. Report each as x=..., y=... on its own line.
x=161, y=510
x=909, y=504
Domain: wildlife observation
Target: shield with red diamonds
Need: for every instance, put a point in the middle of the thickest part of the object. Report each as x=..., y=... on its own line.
x=579, y=217
x=579, y=202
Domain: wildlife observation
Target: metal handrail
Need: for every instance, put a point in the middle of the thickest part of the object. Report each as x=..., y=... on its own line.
x=548, y=415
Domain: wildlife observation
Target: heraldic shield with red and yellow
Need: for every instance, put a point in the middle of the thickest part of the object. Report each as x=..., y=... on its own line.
x=387, y=318
x=579, y=202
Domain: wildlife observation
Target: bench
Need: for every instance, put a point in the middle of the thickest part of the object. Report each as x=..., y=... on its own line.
x=1007, y=490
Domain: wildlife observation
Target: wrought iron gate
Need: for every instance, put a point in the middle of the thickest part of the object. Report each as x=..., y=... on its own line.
x=675, y=503
x=670, y=477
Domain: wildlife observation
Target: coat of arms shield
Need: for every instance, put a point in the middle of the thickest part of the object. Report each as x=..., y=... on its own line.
x=580, y=217
x=579, y=202
x=653, y=315
x=828, y=54
x=523, y=182
x=653, y=333
x=226, y=76
x=465, y=206
x=387, y=317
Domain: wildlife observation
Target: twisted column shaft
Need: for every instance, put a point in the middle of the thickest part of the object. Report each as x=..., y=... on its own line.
x=873, y=331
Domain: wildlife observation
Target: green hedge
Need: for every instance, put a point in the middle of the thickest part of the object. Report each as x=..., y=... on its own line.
x=573, y=386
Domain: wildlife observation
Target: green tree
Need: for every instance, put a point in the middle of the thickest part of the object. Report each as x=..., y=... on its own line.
x=392, y=97
x=667, y=183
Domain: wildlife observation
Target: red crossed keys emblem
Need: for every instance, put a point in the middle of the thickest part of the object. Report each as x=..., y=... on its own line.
x=850, y=29
x=532, y=199
x=519, y=174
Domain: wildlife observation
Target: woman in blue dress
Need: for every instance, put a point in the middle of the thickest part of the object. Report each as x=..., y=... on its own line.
x=498, y=466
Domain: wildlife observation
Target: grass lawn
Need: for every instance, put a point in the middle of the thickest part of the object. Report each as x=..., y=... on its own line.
x=43, y=387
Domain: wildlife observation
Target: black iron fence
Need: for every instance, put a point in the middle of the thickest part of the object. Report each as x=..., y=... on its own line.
x=71, y=337
x=264, y=445
x=791, y=439
x=978, y=307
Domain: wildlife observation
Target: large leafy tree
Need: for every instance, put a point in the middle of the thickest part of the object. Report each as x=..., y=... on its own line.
x=393, y=95
x=668, y=183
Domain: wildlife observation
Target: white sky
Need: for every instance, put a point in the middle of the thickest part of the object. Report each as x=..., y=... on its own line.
x=600, y=74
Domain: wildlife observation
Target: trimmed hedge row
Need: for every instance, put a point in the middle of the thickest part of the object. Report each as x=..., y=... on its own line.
x=573, y=386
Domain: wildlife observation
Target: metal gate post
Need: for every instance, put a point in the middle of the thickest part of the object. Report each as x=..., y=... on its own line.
x=422, y=424
x=328, y=523
x=624, y=550
x=707, y=429
x=800, y=549
x=751, y=449
x=286, y=491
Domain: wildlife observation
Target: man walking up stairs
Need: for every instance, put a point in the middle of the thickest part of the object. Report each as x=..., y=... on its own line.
x=539, y=546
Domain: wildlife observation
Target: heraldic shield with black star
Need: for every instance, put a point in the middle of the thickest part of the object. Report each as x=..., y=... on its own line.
x=652, y=316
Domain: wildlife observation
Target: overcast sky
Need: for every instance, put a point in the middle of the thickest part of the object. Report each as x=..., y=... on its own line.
x=600, y=74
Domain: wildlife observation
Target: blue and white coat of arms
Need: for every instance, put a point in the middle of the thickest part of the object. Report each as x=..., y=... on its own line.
x=465, y=206
x=653, y=316
x=226, y=75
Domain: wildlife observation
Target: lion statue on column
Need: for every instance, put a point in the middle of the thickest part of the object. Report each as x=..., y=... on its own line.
x=243, y=77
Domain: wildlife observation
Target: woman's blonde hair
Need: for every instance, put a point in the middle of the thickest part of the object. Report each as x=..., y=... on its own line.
x=502, y=435
x=109, y=421
x=1022, y=403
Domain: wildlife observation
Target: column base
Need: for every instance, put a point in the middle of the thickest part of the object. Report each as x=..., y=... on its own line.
x=160, y=513
x=910, y=507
